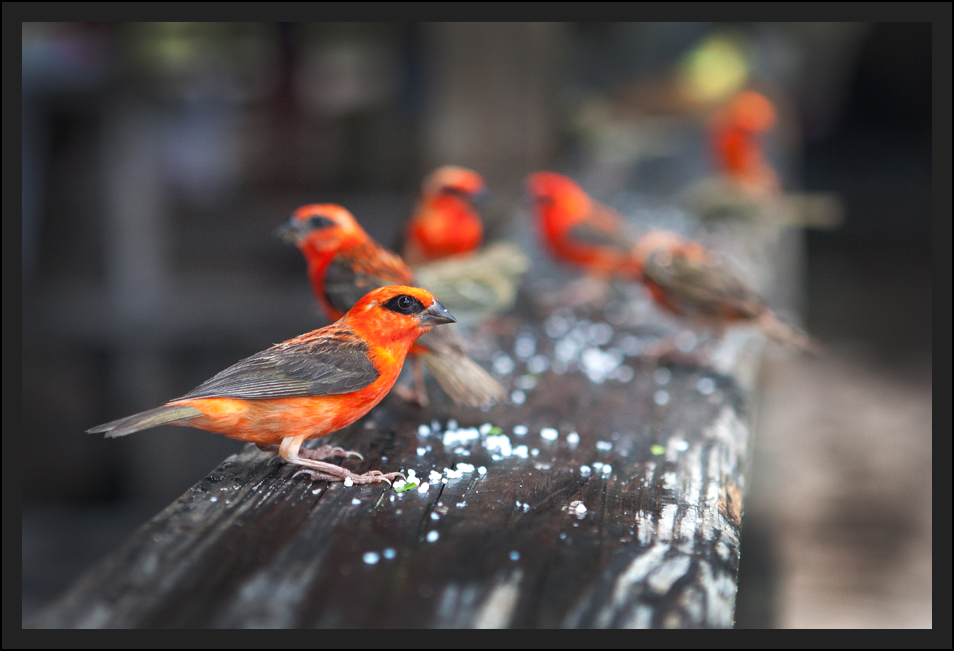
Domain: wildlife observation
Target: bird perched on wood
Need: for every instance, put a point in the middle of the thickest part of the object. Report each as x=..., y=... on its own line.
x=579, y=230
x=344, y=263
x=445, y=221
x=309, y=386
x=692, y=281
x=747, y=187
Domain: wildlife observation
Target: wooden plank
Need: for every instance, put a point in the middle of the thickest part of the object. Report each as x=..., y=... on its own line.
x=637, y=524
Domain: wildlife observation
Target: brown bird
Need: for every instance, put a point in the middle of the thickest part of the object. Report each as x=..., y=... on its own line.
x=691, y=281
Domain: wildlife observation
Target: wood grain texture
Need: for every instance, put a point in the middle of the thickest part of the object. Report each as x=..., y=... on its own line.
x=636, y=524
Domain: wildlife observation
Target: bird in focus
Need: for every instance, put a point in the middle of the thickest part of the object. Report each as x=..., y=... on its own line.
x=344, y=263
x=696, y=283
x=445, y=221
x=309, y=386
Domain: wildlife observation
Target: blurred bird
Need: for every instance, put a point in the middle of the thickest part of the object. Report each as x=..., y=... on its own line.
x=309, y=386
x=445, y=221
x=344, y=263
x=579, y=230
x=691, y=281
x=746, y=187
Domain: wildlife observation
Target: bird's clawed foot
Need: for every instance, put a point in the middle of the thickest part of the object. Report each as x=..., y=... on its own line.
x=370, y=477
x=327, y=452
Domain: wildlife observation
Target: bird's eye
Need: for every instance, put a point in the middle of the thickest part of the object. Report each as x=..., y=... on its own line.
x=318, y=222
x=404, y=304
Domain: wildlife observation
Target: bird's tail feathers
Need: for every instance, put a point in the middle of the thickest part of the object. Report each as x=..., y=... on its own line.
x=463, y=379
x=146, y=419
x=789, y=334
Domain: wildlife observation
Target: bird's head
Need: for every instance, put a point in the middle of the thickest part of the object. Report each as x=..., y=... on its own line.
x=451, y=179
x=322, y=226
x=556, y=196
x=397, y=312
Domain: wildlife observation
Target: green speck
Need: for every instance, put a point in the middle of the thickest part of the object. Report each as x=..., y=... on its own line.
x=657, y=449
x=406, y=487
x=495, y=430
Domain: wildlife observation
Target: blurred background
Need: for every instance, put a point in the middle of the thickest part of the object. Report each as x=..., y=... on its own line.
x=158, y=158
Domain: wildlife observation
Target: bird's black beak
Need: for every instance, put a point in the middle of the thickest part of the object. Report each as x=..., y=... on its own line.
x=480, y=197
x=290, y=231
x=436, y=314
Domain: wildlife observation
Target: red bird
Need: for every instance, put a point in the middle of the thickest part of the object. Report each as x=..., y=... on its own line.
x=344, y=263
x=309, y=386
x=735, y=137
x=689, y=280
x=445, y=221
x=580, y=230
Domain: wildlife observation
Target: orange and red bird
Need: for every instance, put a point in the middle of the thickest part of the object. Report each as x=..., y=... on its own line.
x=309, y=386
x=579, y=230
x=735, y=135
x=445, y=221
x=344, y=263
x=694, y=282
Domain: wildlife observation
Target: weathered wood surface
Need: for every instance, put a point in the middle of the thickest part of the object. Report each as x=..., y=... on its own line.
x=636, y=524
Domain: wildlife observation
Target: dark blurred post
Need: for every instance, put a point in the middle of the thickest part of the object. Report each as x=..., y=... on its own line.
x=491, y=99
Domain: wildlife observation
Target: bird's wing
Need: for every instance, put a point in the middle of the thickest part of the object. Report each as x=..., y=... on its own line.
x=701, y=286
x=333, y=361
x=357, y=270
x=603, y=227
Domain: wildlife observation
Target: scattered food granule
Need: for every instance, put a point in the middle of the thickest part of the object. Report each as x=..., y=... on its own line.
x=355, y=501
x=572, y=438
x=515, y=556
x=605, y=446
x=461, y=505
x=214, y=499
x=520, y=451
x=348, y=481
x=686, y=341
x=526, y=507
x=465, y=467
x=314, y=492
x=578, y=506
x=436, y=425
x=662, y=375
x=502, y=363
x=435, y=515
x=518, y=397
x=423, y=488
x=423, y=430
x=706, y=386
x=534, y=452
x=657, y=450
x=485, y=428
x=562, y=537
x=538, y=364
x=452, y=424
x=432, y=536
x=597, y=465
x=549, y=434
x=607, y=469
x=389, y=553
x=682, y=446
x=434, y=477
x=520, y=430
x=526, y=382
x=410, y=474
x=421, y=452
x=661, y=397
x=585, y=471
x=371, y=558
x=482, y=470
